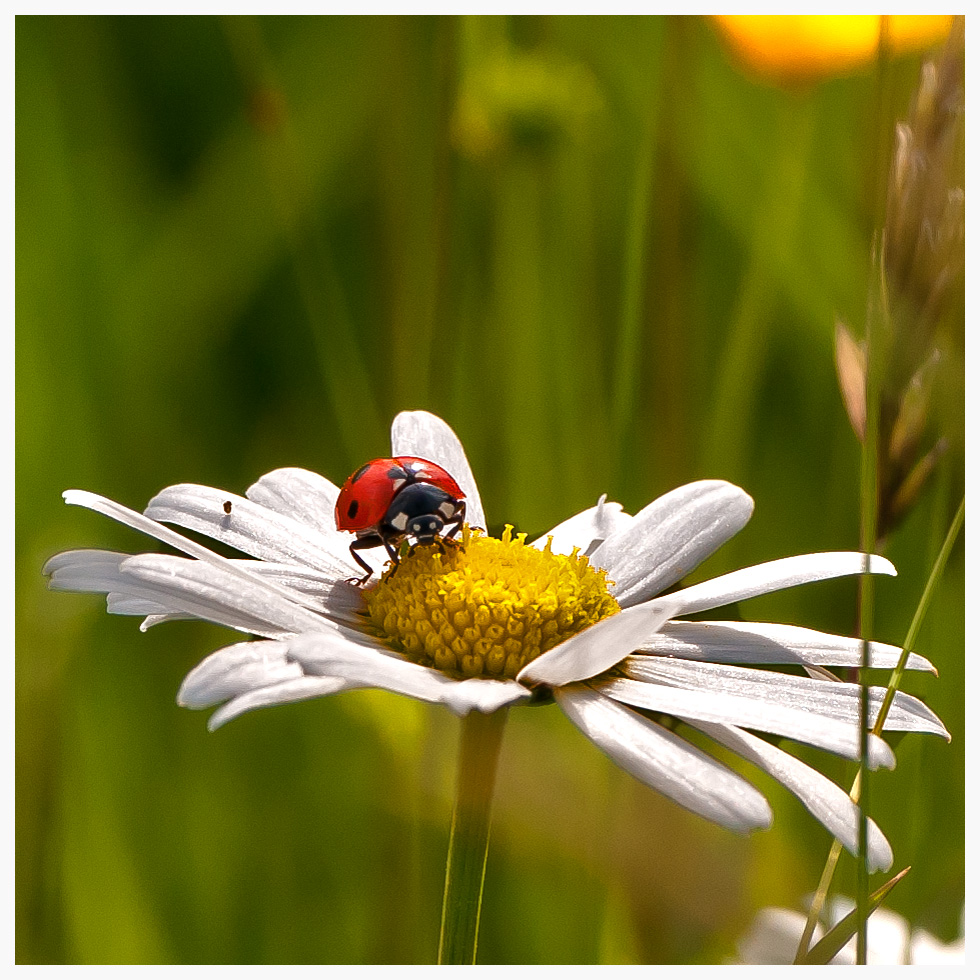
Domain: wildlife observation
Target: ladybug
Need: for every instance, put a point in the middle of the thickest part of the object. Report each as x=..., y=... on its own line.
x=390, y=499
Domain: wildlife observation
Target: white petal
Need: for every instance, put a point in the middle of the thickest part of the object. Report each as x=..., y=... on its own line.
x=820, y=795
x=304, y=496
x=586, y=531
x=670, y=537
x=147, y=525
x=426, y=435
x=331, y=654
x=771, y=643
x=89, y=570
x=139, y=522
x=84, y=570
x=927, y=950
x=888, y=935
x=339, y=600
x=482, y=694
x=774, y=575
x=838, y=700
x=598, y=647
x=121, y=604
x=253, y=528
x=214, y=593
x=236, y=670
x=285, y=692
x=155, y=619
x=773, y=937
x=665, y=761
x=762, y=714
x=91, y=557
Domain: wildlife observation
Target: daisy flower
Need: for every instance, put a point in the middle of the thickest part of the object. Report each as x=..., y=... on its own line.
x=579, y=616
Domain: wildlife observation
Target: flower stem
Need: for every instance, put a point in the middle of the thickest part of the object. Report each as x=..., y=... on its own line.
x=939, y=566
x=466, y=863
x=937, y=570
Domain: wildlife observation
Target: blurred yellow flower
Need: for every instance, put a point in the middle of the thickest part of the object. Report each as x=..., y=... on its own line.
x=806, y=47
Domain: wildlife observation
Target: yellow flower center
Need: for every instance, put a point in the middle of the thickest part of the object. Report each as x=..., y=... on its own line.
x=483, y=607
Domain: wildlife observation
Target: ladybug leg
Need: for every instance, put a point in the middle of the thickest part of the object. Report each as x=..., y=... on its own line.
x=446, y=543
x=460, y=517
x=392, y=552
x=448, y=537
x=371, y=542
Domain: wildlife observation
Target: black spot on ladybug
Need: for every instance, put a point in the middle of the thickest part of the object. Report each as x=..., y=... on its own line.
x=227, y=506
x=359, y=474
x=397, y=473
x=352, y=510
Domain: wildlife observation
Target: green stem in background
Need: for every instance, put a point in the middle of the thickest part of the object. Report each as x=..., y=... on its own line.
x=862, y=783
x=820, y=895
x=466, y=863
x=878, y=335
x=869, y=534
x=920, y=612
x=939, y=566
x=628, y=357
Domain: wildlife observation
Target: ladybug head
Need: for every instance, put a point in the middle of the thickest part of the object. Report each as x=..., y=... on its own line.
x=421, y=510
x=425, y=528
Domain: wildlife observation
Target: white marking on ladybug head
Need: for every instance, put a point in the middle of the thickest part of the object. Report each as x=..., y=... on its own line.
x=447, y=508
x=400, y=521
x=425, y=527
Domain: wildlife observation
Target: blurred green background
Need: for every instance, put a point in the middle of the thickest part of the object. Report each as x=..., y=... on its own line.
x=611, y=259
